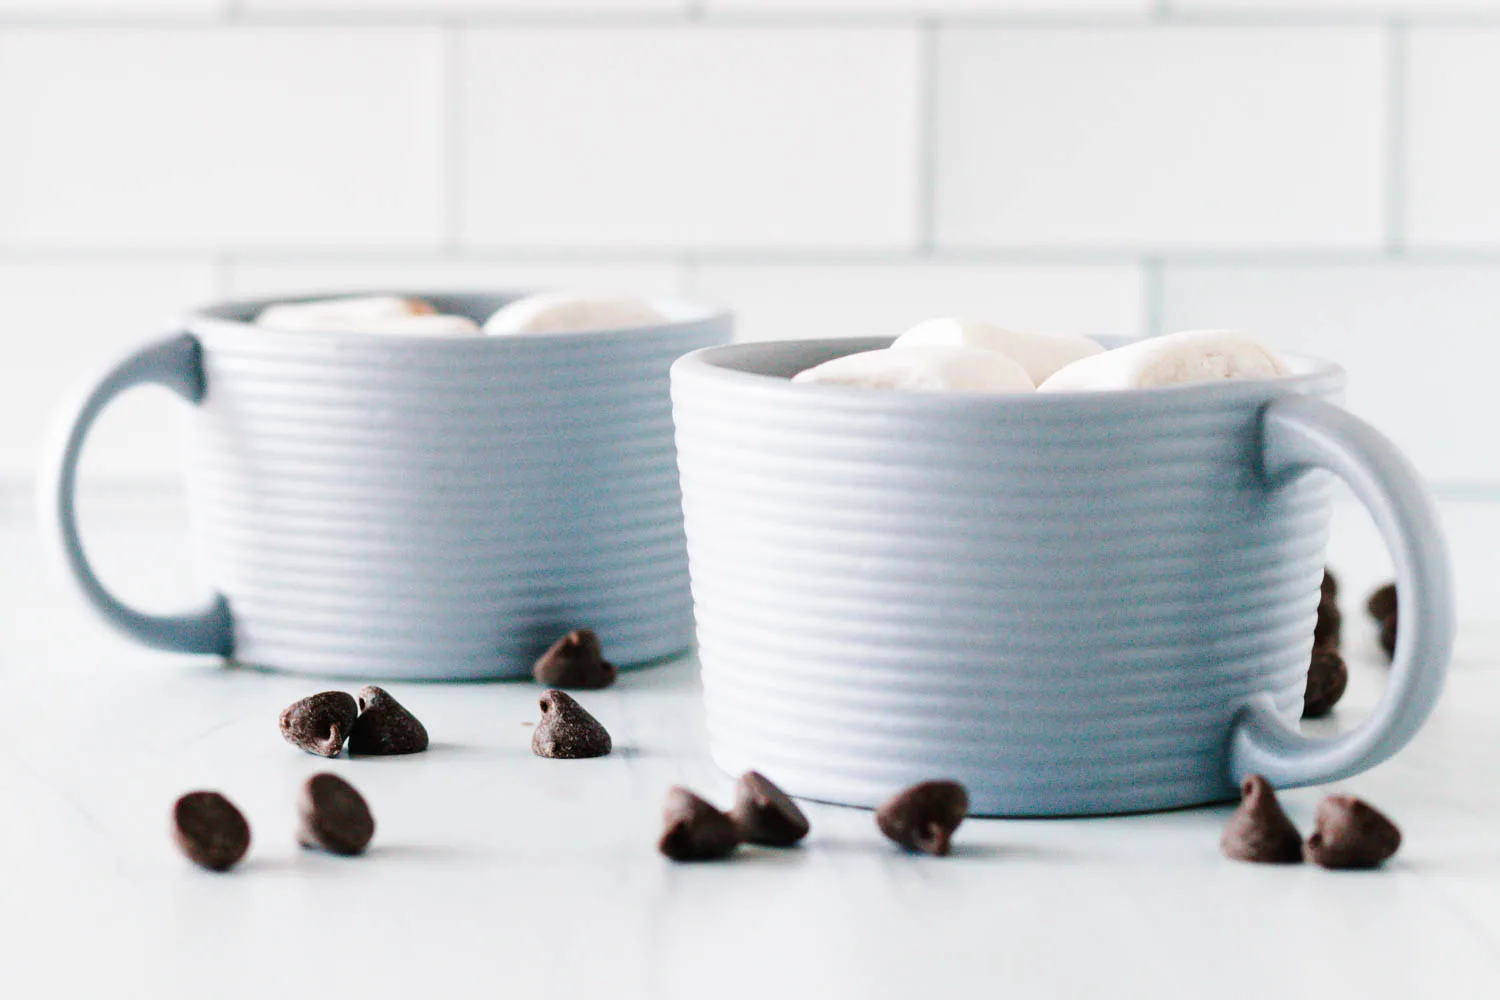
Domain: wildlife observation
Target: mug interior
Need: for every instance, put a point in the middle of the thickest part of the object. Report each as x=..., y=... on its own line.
x=477, y=306
x=772, y=362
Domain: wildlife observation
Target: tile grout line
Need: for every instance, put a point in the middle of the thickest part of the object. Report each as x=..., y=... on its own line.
x=1396, y=38
x=1152, y=295
x=927, y=112
x=452, y=144
x=1018, y=256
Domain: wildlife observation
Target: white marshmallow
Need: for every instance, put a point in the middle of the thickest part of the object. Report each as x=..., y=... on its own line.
x=956, y=369
x=429, y=325
x=1175, y=359
x=571, y=312
x=1040, y=354
x=343, y=314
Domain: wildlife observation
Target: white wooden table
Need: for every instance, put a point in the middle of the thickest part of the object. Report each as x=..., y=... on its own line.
x=497, y=874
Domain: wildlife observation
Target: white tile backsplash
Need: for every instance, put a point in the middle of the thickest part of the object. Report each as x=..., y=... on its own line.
x=1418, y=341
x=1453, y=158
x=70, y=319
x=931, y=8
x=690, y=137
x=293, y=277
x=855, y=300
x=115, y=8
x=1160, y=138
x=197, y=138
x=1320, y=170
x=602, y=7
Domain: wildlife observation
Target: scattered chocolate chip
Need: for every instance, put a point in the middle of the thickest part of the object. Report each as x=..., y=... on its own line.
x=765, y=814
x=1330, y=585
x=1388, y=635
x=319, y=723
x=1259, y=831
x=384, y=727
x=693, y=830
x=210, y=830
x=1351, y=833
x=1327, y=677
x=1330, y=624
x=575, y=661
x=1382, y=603
x=334, y=816
x=566, y=730
x=923, y=817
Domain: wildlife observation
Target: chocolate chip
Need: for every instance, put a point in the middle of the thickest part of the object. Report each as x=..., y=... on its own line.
x=334, y=816
x=1259, y=831
x=384, y=727
x=1330, y=585
x=1327, y=677
x=319, y=723
x=1351, y=833
x=566, y=730
x=1388, y=635
x=210, y=830
x=693, y=830
x=1329, y=626
x=923, y=817
x=765, y=814
x=575, y=661
x=1382, y=603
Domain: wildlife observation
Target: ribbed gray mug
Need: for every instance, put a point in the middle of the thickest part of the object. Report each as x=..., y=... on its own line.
x=1073, y=603
x=412, y=507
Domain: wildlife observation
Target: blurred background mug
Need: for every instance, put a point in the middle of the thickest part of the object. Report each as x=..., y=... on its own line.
x=367, y=505
x=1072, y=603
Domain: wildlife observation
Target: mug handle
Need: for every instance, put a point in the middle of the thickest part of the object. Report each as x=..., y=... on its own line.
x=1301, y=433
x=175, y=362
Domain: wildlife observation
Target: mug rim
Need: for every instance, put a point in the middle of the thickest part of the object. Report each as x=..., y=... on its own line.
x=722, y=364
x=236, y=316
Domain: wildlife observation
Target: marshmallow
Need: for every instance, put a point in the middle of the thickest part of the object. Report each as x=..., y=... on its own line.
x=340, y=314
x=571, y=312
x=1175, y=359
x=961, y=369
x=1040, y=354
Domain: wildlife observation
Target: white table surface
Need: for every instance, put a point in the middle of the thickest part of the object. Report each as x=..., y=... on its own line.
x=494, y=873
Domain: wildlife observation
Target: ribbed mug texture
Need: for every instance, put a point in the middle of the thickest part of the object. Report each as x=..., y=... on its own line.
x=1059, y=601
x=440, y=508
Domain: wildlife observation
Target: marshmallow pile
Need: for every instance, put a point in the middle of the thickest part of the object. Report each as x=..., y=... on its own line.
x=548, y=312
x=959, y=355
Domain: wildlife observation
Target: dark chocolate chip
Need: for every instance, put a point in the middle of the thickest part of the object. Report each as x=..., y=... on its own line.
x=765, y=814
x=384, y=727
x=334, y=816
x=1327, y=677
x=923, y=817
x=1382, y=603
x=566, y=730
x=1329, y=626
x=575, y=661
x=693, y=830
x=319, y=723
x=210, y=830
x=1330, y=585
x=1351, y=833
x=1259, y=831
x=1388, y=635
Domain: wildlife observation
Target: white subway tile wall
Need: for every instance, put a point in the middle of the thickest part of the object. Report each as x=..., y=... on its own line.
x=1321, y=171
x=688, y=137
x=1160, y=137
x=210, y=139
x=786, y=301
x=1453, y=159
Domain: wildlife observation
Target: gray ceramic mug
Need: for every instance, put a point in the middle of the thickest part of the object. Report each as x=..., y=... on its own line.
x=412, y=507
x=1074, y=604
